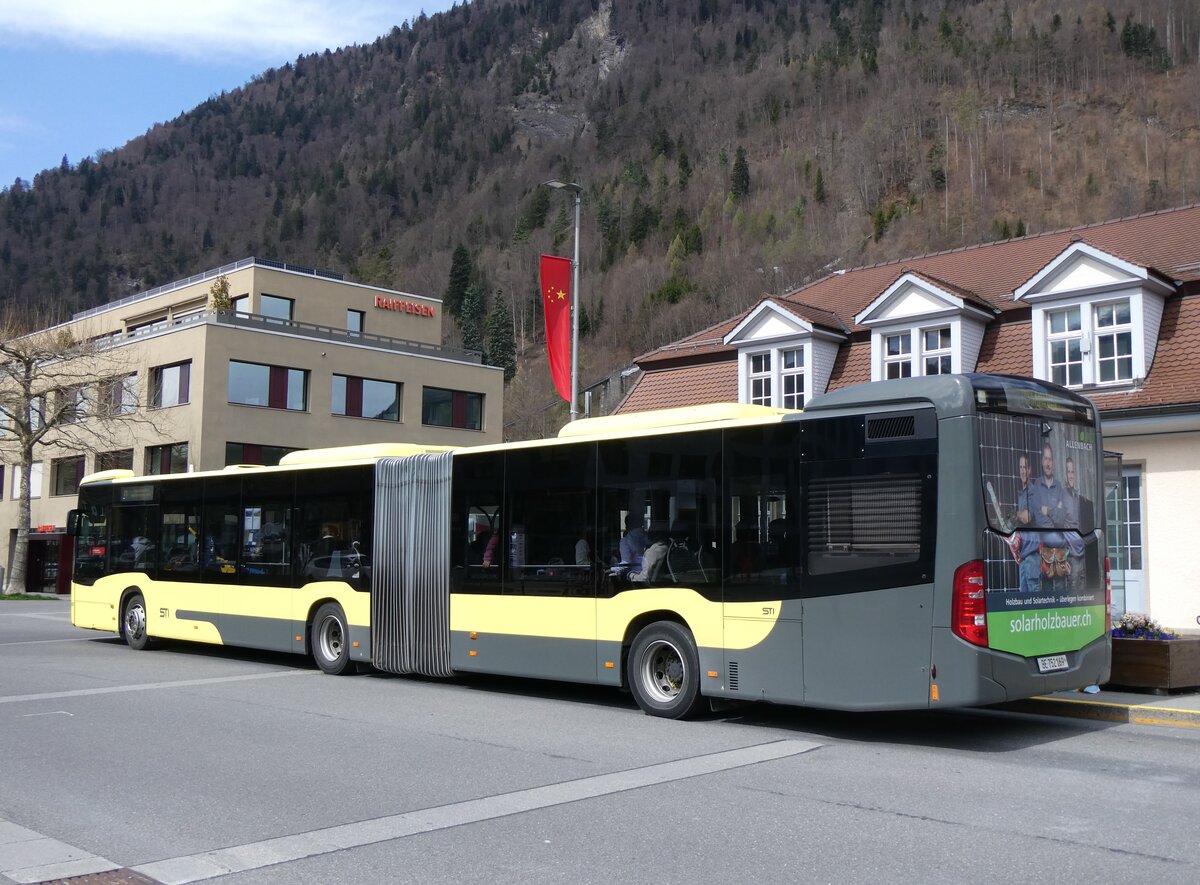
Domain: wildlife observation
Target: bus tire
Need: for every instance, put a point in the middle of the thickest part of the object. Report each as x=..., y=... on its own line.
x=664, y=671
x=331, y=640
x=133, y=622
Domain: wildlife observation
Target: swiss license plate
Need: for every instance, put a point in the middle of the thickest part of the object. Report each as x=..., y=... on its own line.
x=1050, y=663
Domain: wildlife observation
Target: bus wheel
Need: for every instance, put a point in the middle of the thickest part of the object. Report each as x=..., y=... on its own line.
x=133, y=622
x=330, y=640
x=664, y=671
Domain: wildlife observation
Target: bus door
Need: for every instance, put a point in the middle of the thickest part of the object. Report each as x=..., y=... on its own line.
x=549, y=570
x=762, y=581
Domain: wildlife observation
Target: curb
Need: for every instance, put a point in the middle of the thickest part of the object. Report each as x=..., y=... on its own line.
x=1106, y=711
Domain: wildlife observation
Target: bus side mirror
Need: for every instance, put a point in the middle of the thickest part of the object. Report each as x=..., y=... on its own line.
x=74, y=519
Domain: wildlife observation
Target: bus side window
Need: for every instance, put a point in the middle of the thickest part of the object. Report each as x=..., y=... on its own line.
x=333, y=530
x=763, y=507
x=91, y=539
x=478, y=543
x=219, y=544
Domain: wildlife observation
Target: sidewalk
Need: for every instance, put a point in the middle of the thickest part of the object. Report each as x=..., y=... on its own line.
x=1142, y=708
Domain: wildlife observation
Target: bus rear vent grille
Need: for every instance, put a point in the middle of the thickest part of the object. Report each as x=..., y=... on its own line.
x=892, y=427
x=733, y=676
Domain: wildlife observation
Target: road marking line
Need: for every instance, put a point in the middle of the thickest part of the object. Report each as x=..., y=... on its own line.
x=149, y=686
x=44, y=641
x=285, y=849
x=64, y=618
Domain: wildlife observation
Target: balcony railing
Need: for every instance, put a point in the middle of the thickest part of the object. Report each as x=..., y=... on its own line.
x=315, y=331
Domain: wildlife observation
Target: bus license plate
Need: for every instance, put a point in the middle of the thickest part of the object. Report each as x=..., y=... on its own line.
x=1050, y=663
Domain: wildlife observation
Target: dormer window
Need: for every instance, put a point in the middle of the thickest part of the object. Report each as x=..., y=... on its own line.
x=785, y=353
x=923, y=326
x=1086, y=306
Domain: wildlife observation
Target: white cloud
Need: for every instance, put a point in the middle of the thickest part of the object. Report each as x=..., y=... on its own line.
x=222, y=29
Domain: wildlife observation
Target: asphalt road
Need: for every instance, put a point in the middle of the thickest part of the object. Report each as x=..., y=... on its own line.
x=184, y=763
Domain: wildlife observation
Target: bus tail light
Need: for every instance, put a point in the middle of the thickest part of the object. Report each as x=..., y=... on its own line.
x=1107, y=596
x=968, y=610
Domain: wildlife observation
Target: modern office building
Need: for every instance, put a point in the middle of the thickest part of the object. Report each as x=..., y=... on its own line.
x=1111, y=310
x=298, y=359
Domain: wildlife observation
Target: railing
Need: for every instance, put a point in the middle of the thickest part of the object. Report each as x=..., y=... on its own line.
x=208, y=275
x=259, y=322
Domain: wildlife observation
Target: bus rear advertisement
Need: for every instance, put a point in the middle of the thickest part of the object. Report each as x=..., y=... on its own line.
x=898, y=545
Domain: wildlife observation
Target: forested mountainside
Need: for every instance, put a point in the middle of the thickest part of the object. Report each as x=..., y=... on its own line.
x=727, y=148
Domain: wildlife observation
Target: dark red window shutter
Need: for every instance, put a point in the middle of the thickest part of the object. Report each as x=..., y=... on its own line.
x=354, y=387
x=277, y=392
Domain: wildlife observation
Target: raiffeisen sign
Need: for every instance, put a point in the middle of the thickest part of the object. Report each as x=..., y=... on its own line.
x=402, y=306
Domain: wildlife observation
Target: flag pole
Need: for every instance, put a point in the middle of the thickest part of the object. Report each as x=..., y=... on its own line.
x=578, y=190
x=575, y=315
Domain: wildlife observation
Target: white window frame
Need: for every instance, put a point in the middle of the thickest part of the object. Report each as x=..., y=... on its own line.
x=1066, y=337
x=759, y=375
x=943, y=354
x=776, y=378
x=903, y=360
x=1113, y=331
x=792, y=376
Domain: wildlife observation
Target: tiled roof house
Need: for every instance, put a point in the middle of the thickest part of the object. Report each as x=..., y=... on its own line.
x=1111, y=310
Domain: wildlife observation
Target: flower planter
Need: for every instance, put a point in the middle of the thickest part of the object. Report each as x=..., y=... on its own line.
x=1163, y=664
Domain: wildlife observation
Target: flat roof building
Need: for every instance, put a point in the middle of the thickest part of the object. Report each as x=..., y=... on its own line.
x=298, y=359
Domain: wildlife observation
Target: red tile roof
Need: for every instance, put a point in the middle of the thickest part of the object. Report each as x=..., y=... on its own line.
x=1168, y=243
x=687, y=386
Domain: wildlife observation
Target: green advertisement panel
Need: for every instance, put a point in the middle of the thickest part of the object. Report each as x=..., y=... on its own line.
x=1036, y=631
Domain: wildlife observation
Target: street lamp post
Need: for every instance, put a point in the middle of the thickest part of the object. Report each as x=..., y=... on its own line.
x=578, y=191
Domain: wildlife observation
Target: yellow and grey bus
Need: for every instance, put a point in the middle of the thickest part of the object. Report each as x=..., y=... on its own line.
x=898, y=545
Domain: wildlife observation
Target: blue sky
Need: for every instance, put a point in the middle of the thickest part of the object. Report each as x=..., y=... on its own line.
x=78, y=76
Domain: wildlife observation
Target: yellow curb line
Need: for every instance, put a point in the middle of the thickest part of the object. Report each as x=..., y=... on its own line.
x=1106, y=711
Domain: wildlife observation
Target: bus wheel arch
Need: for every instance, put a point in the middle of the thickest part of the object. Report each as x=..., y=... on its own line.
x=662, y=668
x=329, y=638
x=132, y=622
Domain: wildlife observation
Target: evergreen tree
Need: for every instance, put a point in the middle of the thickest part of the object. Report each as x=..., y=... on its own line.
x=739, y=175
x=819, y=193
x=471, y=314
x=501, y=345
x=461, y=271
x=683, y=168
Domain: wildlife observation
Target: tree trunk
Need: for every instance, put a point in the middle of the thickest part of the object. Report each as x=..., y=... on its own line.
x=20, y=550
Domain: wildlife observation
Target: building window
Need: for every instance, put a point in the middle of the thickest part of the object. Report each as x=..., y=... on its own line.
x=122, y=459
x=1, y=482
x=354, y=321
x=118, y=396
x=760, y=379
x=1114, y=343
x=365, y=398
x=791, y=376
x=276, y=308
x=936, y=351
x=72, y=404
x=252, y=453
x=452, y=408
x=897, y=356
x=37, y=413
x=241, y=305
x=65, y=474
x=35, y=481
x=169, y=385
x=276, y=387
x=171, y=458
x=1065, y=339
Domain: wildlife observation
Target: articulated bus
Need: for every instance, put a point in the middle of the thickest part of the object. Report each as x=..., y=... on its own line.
x=897, y=545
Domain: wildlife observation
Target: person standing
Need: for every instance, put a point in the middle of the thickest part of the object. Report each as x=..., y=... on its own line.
x=1029, y=560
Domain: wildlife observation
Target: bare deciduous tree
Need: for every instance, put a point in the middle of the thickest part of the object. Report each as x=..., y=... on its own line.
x=58, y=391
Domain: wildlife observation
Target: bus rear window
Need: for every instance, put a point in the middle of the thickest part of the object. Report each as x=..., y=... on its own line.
x=1038, y=473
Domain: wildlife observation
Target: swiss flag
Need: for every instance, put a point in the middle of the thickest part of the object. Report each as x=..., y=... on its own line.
x=556, y=299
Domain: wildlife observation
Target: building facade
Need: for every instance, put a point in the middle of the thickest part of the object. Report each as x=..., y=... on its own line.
x=1111, y=310
x=298, y=359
